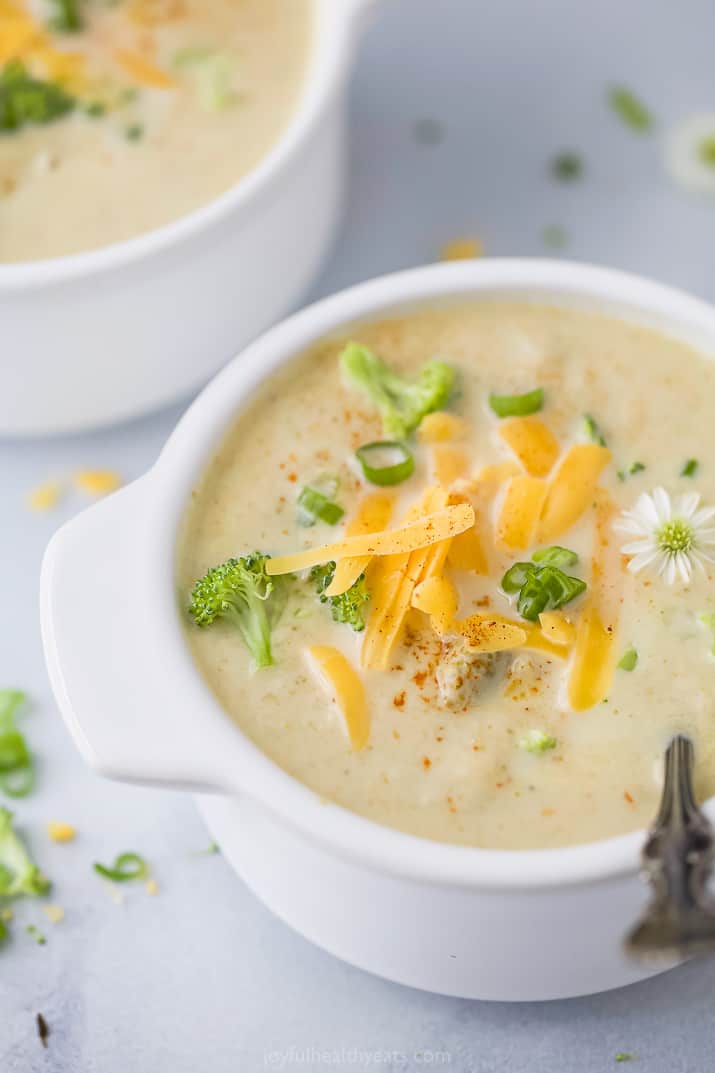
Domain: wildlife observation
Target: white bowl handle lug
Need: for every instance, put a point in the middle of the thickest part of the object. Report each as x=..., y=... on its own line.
x=129, y=707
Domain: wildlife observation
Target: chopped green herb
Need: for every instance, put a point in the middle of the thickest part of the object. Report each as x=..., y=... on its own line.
x=401, y=404
x=240, y=592
x=429, y=131
x=348, y=606
x=134, y=132
x=128, y=866
x=385, y=462
x=24, y=99
x=630, y=109
x=18, y=874
x=517, y=405
x=628, y=660
x=43, y=1029
x=630, y=471
x=315, y=505
x=542, y=586
x=567, y=166
x=537, y=742
x=214, y=74
x=67, y=17
x=35, y=933
x=690, y=468
x=555, y=237
x=593, y=430
x=3, y=930
x=95, y=109
x=624, y=1056
x=213, y=847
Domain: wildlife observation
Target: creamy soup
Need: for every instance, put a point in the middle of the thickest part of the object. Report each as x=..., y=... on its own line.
x=484, y=703
x=117, y=118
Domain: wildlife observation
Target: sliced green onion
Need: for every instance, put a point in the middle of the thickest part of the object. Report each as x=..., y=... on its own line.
x=34, y=932
x=630, y=109
x=635, y=467
x=314, y=505
x=517, y=405
x=127, y=866
x=555, y=556
x=567, y=166
x=593, y=430
x=690, y=468
x=515, y=577
x=542, y=586
x=628, y=660
x=385, y=462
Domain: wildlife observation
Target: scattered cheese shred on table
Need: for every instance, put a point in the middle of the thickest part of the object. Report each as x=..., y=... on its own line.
x=61, y=832
x=98, y=482
x=45, y=497
x=151, y=887
x=54, y=913
x=462, y=249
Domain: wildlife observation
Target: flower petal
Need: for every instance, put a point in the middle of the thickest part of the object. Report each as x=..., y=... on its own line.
x=662, y=504
x=639, y=547
x=684, y=567
x=687, y=504
x=643, y=559
x=645, y=510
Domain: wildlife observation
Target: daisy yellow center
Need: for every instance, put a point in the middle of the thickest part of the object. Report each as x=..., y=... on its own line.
x=675, y=536
x=706, y=151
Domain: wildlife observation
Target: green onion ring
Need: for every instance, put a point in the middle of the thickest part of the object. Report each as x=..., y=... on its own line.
x=517, y=405
x=395, y=472
x=126, y=867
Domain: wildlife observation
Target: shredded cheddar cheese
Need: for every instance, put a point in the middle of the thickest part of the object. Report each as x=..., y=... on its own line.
x=347, y=689
x=429, y=530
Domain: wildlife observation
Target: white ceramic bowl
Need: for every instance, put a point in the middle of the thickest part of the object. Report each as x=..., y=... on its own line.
x=470, y=922
x=109, y=334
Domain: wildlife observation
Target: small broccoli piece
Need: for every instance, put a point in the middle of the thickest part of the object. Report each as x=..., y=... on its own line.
x=18, y=875
x=25, y=99
x=241, y=592
x=348, y=606
x=402, y=404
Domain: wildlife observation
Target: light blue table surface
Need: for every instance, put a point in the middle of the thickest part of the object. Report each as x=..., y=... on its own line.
x=201, y=977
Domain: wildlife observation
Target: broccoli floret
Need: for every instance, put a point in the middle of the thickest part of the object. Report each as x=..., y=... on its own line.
x=241, y=592
x=348, y=606
x=402, y=404
x=18, y=875
x=25, y=99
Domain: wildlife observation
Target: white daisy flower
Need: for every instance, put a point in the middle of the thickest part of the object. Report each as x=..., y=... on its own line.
x=671, y=536
x=690, y=153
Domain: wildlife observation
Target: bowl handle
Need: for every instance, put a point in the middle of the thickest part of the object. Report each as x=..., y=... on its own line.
x=117, y=665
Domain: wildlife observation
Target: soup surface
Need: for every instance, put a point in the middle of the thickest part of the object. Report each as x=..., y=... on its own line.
x=117, y=118
x=484, y=703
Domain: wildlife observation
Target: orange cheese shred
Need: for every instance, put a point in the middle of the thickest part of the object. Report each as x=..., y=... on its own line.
x=347, y=689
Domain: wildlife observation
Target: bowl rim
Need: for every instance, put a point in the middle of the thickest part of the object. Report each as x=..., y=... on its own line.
x=202, y=428
x=328, y=64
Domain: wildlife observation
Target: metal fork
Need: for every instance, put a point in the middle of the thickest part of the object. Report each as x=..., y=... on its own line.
x=677, y=860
